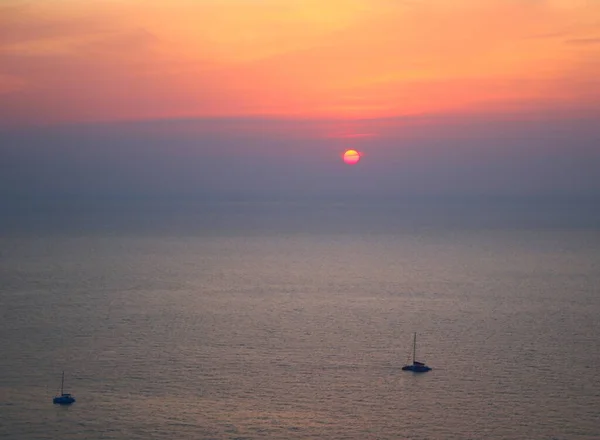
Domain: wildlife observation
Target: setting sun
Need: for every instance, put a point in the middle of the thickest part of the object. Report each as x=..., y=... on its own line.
x=351, y=157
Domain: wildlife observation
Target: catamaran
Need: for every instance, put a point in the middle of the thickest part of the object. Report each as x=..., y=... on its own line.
x=63, y=398
x=416, y=367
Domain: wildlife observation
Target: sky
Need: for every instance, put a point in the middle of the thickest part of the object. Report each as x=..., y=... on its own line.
x=261, y=97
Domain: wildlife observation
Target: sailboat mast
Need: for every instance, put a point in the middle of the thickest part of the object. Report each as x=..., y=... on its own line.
x=414, y=347
x=62, y=383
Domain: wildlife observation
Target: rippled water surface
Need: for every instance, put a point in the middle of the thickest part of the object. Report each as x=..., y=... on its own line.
x=302, y=335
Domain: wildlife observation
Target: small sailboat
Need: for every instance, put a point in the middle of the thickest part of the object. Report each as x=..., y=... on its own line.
x=416, y=367
x=63, y=398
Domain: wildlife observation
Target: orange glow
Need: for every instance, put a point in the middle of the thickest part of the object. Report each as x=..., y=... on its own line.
x=69, y=61
x=351, y=157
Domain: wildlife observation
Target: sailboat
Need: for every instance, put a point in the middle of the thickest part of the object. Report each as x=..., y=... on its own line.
x=416, y=367
x=63, y=398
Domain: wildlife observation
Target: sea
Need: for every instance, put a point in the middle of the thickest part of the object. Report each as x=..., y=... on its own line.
x=278, y=319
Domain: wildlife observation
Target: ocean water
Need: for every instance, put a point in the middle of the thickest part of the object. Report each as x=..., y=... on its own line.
x=279, y=321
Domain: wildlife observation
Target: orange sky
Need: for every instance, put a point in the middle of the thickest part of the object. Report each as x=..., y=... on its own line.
x=73, y=60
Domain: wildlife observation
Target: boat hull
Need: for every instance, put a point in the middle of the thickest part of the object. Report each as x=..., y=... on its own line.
x=63, y=400
x=416, y=368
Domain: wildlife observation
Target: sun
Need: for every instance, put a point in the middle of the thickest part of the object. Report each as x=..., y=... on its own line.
x=351, y=157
